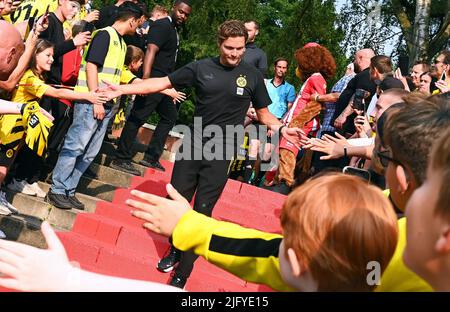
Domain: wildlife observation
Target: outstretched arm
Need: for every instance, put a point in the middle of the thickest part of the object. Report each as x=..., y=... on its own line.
x=293, y=135
x=174, y=217
x=27, y=268
x=146, y=86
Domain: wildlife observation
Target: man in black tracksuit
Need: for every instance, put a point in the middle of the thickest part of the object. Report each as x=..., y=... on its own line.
x=224, y=86
x=160, y=60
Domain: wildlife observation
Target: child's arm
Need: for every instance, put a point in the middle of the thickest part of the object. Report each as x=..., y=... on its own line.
x=50, y=270
x=249, y=254
x=93, y=97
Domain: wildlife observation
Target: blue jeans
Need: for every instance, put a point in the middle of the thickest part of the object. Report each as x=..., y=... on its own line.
x=81, y=145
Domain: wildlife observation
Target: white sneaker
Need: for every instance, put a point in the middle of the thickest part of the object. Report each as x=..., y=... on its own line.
x=2, y=235
x=5, y=207
x=39, y=192
x=21, y=187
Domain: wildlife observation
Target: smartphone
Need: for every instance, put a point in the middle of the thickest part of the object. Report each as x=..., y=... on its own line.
x=45, y=16
x=362, y=173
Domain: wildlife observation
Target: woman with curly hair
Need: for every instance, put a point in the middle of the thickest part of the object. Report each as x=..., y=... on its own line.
x=315, y=65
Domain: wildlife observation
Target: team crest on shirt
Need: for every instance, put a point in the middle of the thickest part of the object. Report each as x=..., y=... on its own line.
x=241, y=82
x=10, y=153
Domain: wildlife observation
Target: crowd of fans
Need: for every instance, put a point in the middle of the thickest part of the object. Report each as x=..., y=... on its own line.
x=64, y=61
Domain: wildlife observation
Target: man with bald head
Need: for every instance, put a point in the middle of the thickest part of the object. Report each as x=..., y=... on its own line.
x=360, y=81
x=11, y=49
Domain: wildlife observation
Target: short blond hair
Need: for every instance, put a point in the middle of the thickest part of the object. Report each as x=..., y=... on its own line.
x=337, y=224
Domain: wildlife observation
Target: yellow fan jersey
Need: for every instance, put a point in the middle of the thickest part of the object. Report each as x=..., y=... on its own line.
x=31, y=88
x=33, y=124
x=398, y=277
x=32, y=8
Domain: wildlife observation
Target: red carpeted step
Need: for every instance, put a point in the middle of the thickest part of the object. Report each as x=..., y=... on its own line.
x=149, y=186
x=233, y=186
x=118, y=212
x=129, y=265
x=247, y=219
x=142, y=242
x=246, y=202
x=205, y=282
x=258, y=288
x=122, y=194
x=97, y=227
x=263, y=194
x=155, y=175
x=79, y=248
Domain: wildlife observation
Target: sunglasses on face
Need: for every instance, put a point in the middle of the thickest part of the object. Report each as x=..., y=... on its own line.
x=385, y=158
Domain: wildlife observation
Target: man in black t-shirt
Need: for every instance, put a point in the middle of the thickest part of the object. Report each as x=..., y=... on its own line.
x=160, y=60
x=108, y=14
x=225, y=86
x=254, y=55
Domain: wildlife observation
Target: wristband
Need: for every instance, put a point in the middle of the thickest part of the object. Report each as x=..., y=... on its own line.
x=279, y=130
x=345, y=152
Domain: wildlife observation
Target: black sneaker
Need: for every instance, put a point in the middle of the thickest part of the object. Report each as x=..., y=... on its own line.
x=59, y=201
x=178, y=281
x=155, y=164
x=125, y=166
x=90, y=174
x=78, y=205
x=168, y=262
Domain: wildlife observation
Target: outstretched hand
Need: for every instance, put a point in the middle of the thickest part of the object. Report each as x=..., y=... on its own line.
x=294, y=135
x=28, y=268
x=333, y=147
x=111, y=91
x=442, y=86
x=161, y=215
x=175, y=95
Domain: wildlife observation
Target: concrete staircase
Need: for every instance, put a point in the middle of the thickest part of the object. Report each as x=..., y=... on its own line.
x=105, y=238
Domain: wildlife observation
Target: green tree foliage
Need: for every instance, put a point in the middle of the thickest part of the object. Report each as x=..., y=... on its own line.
x=398, y=22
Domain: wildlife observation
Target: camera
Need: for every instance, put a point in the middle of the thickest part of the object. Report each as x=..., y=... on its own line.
x=359, y=99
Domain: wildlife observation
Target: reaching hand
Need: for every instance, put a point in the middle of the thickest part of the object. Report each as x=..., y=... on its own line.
x=93, y=16
x=399, y=76
x=294, y=135
x=97, y=98
x=340, y=121
x=40, y=25
x=82, y=39
x=333, y=147
x=161, y=215
x=15, y=5
x=362, y=126
x=176, y=95
x=99, y=112
x=28, y=268
x=442, y=86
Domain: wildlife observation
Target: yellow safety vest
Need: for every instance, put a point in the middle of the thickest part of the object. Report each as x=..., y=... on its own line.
x=113, y=65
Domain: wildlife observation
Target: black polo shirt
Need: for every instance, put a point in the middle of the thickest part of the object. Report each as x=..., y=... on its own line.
x=223, y=93
x=163, y=34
